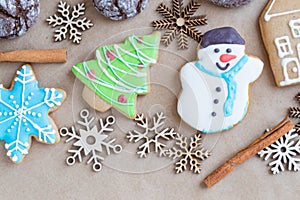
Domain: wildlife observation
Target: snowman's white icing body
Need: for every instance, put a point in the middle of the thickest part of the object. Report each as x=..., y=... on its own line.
x=201, y=103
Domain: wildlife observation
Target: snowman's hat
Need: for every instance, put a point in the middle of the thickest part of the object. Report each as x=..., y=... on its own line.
x=224, y=35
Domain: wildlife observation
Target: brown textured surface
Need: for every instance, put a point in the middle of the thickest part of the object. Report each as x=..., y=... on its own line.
x=44, y=174
x=17, y=16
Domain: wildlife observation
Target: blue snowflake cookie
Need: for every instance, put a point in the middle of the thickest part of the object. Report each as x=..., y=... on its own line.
x=24, y=113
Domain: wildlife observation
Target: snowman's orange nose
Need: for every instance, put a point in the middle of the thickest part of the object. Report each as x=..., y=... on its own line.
x=226, y=58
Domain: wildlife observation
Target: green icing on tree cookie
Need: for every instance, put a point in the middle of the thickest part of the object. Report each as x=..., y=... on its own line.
x=120, y=71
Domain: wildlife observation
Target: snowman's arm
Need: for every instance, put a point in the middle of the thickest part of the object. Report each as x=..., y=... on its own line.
x=252, y=69
x=185, y=70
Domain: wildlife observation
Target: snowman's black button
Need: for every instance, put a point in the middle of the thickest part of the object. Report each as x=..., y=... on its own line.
x=216, y=101
x=218, y=89
x=214, y=114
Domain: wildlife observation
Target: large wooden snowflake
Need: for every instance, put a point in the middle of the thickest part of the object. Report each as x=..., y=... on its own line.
x=90, y=141
x=180, y=22
x=295, y=111
x=284, y=152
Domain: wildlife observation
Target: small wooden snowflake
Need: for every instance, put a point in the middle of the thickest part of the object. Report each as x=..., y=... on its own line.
x=188, y=152
x=70, y=22
x=152, y=134
x=180, y=22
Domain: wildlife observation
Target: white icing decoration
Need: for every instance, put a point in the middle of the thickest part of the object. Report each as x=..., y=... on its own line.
x=268, y=16
x=12, y=102
x=295, y=28
x=287, y=80
x=122, y=85
x=298, y=50
x=283, y=45
x=196, y=102
x=295, y=69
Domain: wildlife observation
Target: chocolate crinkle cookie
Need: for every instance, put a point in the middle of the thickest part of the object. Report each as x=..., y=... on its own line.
x=120, y=9
x=230, y=3
x=17, y=16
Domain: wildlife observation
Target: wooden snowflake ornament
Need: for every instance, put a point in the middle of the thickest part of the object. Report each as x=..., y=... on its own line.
x=70, y=22
x=188, y=153
x=284, y=153
x=153, y=134
x=180, y=22
x=295, y=111
x=90, y=140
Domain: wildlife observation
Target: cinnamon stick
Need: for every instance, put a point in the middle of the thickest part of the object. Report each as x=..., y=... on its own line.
x=35, y=56
x=264, y=141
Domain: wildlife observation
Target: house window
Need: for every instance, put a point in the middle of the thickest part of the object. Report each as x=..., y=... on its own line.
x=295, y=28
x=283, y=45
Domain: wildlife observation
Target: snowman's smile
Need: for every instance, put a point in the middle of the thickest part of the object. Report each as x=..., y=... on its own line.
x=223, y=68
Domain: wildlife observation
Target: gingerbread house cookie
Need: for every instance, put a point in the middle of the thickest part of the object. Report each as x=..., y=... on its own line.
x=280, y=28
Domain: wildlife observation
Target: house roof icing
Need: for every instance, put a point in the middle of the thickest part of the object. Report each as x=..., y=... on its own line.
x=281, y=7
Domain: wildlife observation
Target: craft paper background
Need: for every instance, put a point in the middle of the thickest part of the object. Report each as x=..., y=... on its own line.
x=44, y=173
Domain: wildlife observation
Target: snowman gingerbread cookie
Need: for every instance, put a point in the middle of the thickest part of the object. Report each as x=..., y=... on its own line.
x=215, y=89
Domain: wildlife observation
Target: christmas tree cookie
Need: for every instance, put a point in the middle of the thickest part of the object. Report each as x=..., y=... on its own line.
x=119, y=73
x=24, y=113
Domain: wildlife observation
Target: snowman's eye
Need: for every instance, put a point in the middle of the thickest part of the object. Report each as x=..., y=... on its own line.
x=216, y=50
x=228, y=50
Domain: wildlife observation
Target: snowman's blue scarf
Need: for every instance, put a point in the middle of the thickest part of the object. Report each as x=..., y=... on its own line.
x=230, y=81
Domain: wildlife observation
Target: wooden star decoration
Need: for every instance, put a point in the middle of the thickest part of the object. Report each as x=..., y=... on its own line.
x=180, y=22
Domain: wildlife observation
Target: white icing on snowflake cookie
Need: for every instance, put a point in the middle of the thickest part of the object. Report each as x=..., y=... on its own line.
x=215, y=88
x=24, y=113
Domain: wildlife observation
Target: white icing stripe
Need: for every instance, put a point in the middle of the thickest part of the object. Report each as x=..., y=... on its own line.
x=101, y=83
x=137, y=73
x=115, y=74
x=7, y=119
x=103, y=69
x=127, y=64
x=112, y=100
x=268, y=16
